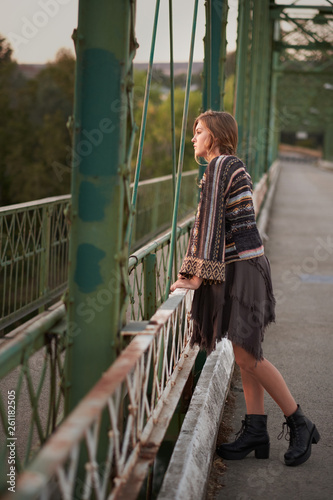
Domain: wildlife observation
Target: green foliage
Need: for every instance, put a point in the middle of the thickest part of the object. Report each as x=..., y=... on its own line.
x=229, y=93
x=157, y=149
x=9, y=86
x=35, y=145
x=33, y=133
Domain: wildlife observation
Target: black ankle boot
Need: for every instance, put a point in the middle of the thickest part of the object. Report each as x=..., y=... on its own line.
x=302, y=434
x=253, y=436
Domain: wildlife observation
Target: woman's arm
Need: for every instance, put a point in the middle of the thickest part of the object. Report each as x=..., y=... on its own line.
x=190, y=284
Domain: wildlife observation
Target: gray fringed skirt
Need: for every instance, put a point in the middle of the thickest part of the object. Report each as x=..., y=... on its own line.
x=239, y=309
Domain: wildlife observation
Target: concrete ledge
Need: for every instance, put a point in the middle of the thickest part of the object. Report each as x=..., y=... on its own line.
x=263, y=218
x=190, y=463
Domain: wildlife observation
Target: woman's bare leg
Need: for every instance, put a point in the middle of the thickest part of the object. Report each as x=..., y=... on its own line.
x=257, y=376
x=253, y=394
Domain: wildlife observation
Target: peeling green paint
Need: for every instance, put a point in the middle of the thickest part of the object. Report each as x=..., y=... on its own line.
x=87, y=273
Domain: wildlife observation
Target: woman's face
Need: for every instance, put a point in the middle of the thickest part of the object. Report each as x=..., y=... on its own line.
x=201, y=140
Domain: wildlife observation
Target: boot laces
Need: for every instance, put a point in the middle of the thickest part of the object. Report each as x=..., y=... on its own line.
x=284, y=432
x=240, y=433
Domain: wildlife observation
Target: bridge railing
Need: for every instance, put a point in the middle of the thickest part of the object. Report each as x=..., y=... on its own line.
x=137, y=397
x=33, y=357
x=34, y=241
x=33, y=256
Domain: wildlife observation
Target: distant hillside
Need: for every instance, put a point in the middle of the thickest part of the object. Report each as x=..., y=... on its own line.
x=31, y=70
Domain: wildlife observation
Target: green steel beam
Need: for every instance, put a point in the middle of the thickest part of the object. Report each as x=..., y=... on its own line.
x=261, y=93
x=215, y=54
x=263, y=135
x=273, y=121
x=98, y=258
x=215, y=44
x=244, y=9
x=256, y=62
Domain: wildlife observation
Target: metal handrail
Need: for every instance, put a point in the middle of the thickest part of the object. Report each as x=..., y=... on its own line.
x=139, y=390
x=34, y=239
x=35, y=236
x=48, y=337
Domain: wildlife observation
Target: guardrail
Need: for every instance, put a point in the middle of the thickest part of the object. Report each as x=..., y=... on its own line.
x=34, y=241
x=136, y=397
x=33, y=357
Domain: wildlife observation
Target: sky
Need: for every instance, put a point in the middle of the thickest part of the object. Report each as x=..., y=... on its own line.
x=37, y=29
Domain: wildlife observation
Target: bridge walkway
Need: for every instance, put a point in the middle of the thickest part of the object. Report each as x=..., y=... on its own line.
x=300, y=343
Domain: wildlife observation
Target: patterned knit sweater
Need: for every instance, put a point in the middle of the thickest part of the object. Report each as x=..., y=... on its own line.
x=225, y=229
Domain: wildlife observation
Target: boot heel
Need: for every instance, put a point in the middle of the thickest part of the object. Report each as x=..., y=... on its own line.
x=262, y=451
x=316, y=436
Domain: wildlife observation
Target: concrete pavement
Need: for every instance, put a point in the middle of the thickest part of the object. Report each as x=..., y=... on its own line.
x=300, y=343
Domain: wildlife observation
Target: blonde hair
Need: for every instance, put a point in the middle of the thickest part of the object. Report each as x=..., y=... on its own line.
x=223, y=131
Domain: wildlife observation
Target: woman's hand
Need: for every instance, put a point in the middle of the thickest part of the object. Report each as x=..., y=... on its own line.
x=190, y=284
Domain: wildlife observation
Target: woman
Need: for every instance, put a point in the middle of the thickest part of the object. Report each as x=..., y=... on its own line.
x=226, y=266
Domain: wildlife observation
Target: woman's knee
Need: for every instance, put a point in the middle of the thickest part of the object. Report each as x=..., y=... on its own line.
x=244, y=360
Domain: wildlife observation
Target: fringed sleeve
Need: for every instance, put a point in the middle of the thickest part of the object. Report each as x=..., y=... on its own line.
x=206, y=249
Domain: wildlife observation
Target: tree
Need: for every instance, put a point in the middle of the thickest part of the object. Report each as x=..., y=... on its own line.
x=11, y=82
x=40, y=135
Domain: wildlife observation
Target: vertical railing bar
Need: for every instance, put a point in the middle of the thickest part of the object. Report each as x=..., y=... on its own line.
x=181, y=152
x=28, y=267
x=16, y=264
x=11, y=263
x=15, y=287
x=40, y=276
x=34, y=257
x=4, y=292
x=63, y=246
x=55, y=246
x=22, y=282
x=52, y=250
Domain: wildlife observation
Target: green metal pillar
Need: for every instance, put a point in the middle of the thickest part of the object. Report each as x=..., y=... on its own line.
x=244, y=8
x=105, y=46
x=255, y=89
x=265, y=84
x=273, y=121
x=215, y=43
x=215, y=54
